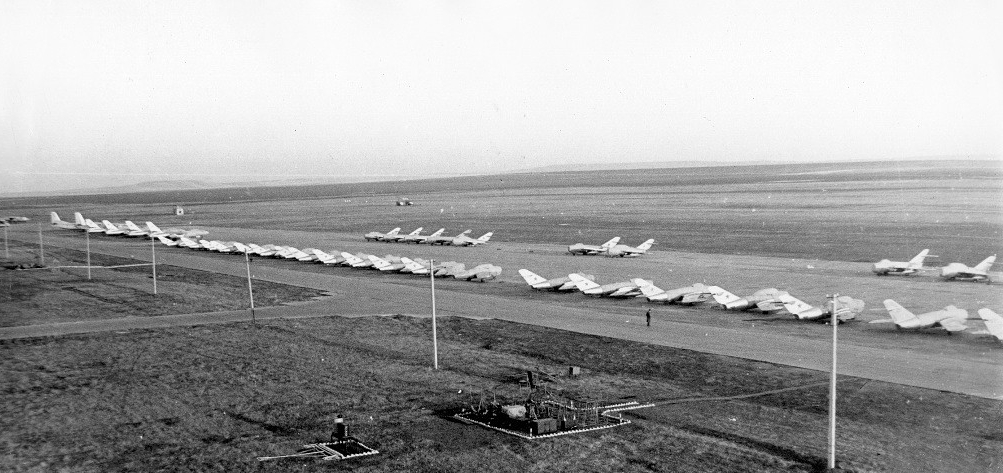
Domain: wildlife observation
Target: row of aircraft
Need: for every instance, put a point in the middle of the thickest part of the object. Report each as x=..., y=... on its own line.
x=769, y=300
x=611, y=248
x=953, y=271
x=766, y=300
x=401, y=264
x=436, y=238
x=126, y=228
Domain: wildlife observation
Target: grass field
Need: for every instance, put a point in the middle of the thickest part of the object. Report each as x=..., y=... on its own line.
x=117, y=402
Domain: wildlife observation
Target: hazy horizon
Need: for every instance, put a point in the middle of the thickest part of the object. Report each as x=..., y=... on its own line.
x=103, y=94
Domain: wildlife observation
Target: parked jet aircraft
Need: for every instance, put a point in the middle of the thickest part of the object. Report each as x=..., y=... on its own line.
x=847, y=308
x=950, y=318
x=133, y=230
x=765, y=300
x=421, y=238
x=464, y=241
x=377, y=236
x=905, y=268
x=13, y=219
x=693, y=294
x=168, y=241
x=384, y=265
x=617, y=289
x=994, y=322
x=60, y=223
x=399, y=237
x=441, y=240
x=629, y=251
x=111, y=229
x=328, y=258
x=961, y=272
x=481, y=272
x=448, y=268
x=583, y=249
x=175, y=232
x=414, y=267
x=557, y=284
x=356, y=261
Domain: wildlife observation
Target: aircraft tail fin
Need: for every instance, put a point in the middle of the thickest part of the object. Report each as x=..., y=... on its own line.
x=985, y=264
x=611, y=243
x=394, y=231
x=54, y=218
x=794, y=305
x=485, y=237
x=898, y=313
x=464, y=233
x=582, y=283
x=153, y=228
x=647, y=244
x=438, y=232
x=722, y=296
x=648, y=289
x=917, y=261
x=417, y=231
x=531, y=277
x=78, y=218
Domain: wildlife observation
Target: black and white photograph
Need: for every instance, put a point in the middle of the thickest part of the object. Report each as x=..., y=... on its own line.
x=445, y=236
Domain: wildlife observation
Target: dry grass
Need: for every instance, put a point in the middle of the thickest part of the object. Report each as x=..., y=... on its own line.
x=213, y=398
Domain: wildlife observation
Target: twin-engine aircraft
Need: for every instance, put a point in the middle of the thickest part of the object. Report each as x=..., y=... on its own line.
x=847, y=308
x=905, y=268
x=961, y=272
x=557, y=284
x=950, y=318
x=764, y=300
x=583, y=249
x=629, y=251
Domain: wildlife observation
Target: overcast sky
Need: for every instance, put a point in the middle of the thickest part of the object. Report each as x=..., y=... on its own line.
x=96, y=92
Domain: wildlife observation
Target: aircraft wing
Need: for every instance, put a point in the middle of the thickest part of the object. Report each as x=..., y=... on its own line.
x=953, y=325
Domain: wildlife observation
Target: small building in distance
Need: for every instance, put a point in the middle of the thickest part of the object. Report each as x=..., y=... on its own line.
x=404, y=201
x=178, y=210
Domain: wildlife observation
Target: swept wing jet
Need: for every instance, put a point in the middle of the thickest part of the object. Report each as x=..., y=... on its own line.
x=950, y=318
x=557, y=284
x=133, y=230
x=60, y=223
x=448, y=268
x=464, y=240
x=328, y=258
x=765, y=300
x=377, y=236
x=847, y=308
x=617, y=289
x=356, y=261
x=384, y=265
x=111, y=229
x=421, y=238
x=414, y=267
x=481, y=272
x=905, y=268
x=441, y=240
x=961, y=272
x=400, y=238
x=583, y=249
x=175, y=232
x=629, y=251
x=168, y=241
x=994, y=322
x=689, y=295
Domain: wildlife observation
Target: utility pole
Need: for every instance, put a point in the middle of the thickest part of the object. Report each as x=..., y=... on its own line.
x=6, y=253
x=88, y=235
x=435, y=338
x=41, y=247
x=832, y=390
x=250, y=291
x=153, y=250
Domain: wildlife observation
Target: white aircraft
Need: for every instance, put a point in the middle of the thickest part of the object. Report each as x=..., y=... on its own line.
x=689, y=295
x=377, y=236
x=448, y=268
x=60, y=223
x=961, y=272
x=399, y=237
x=441, y=240
x=414, y=267
x=328, y=258
x=175, y=232
x=765, y=300
x=617, y=289
x=464, y=240
x=355, y=261
x=905, y=268
x=187, y=243
x=421, y=238
x=384, y=265
x=847, y=308
x=583, y=249
x=481, y=272
x=950, y=318
x=168, y=241
x=133, y=230
x=111, y=229
x=629, y=251
x=88, y=225
x=557, y=284
x=994, y=322
x=306, y=255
